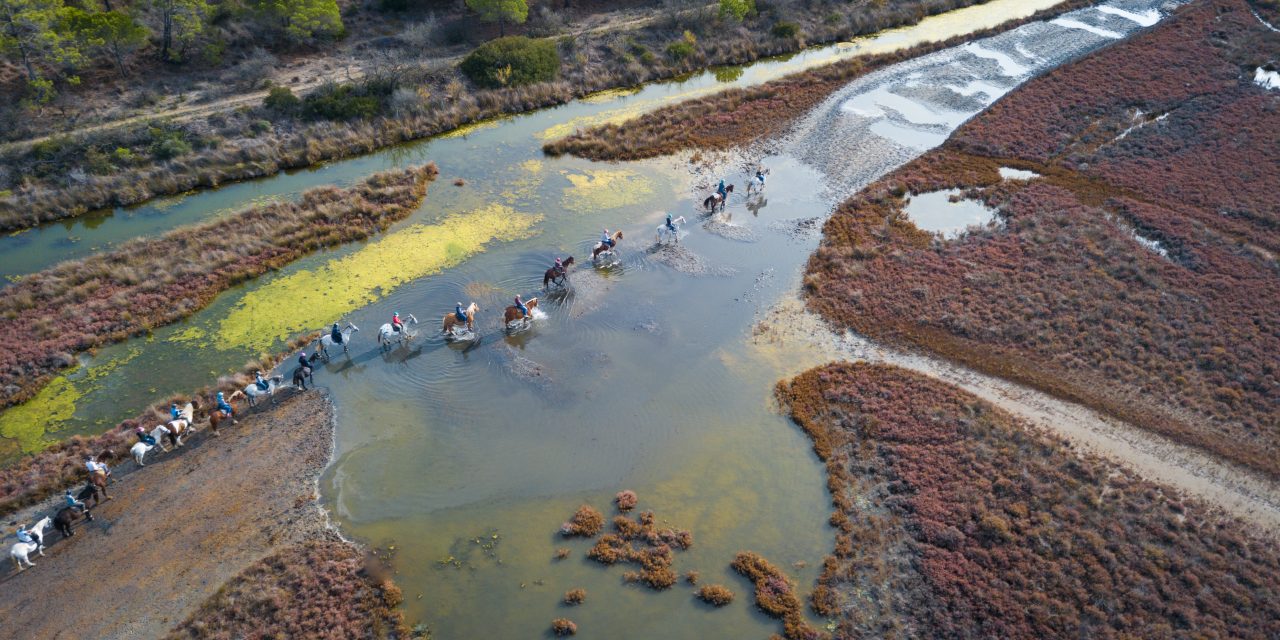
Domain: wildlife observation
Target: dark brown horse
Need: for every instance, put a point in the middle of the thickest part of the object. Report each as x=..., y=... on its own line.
x=512, y=313
x=90, y=492
x=560, y=274
x=602, y=247
x=715, y=200
x=66, y=516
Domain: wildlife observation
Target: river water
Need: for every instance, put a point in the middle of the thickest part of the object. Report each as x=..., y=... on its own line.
x=641, y=377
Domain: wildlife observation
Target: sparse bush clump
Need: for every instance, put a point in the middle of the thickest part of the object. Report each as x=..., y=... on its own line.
x=626, y=500
x=783, y=29
x=575, y=597
x=281, y=100
x=716, y=594
x=512, y=61
x=586, y=522
x=340, y=102
x=563, y=627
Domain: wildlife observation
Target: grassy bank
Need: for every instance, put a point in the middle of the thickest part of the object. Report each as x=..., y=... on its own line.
x=318, y=589
x=1136, y=276
x=65, y=176
x=955, y=520
x=60, y=466
x=738, y=117
x=82, y=304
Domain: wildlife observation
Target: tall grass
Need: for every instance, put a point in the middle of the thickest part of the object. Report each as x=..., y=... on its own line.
x=149, y=282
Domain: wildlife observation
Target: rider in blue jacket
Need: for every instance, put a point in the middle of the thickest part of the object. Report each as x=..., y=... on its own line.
x=459, y=313
x=670, y=225
x=606, y=240
x=224, y=406
x=335, y=334
x=260, y=381
x=145, y=437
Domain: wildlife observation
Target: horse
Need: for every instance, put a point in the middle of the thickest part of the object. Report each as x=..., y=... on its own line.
x=140, y=449
x=325, y=341
x=252, y=390
x=386, y=333
x=664, y=232
x=451, y=319
x=558, y=275
x=302, y=374
x=90, y=491
x=604, y=248
x=216, y=418
x=177, y=428
x=512, y=313
x=716, y=200
x=755, y=185
x=66, y=516
x=20, y=551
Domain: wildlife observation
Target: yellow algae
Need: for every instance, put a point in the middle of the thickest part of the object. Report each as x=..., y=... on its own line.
x=610, y=94
x=190, y=334
x=597, y=189
x=524, y=187
x=468, y=129
x=26, y=423
x=307, y=300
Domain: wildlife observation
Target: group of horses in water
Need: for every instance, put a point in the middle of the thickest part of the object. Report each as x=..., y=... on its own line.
x=168, y=436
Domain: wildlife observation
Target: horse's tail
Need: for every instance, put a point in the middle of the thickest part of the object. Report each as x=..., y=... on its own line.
x=546, y=278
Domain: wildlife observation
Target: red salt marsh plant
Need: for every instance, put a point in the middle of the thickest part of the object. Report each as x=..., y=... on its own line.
x=975, y=525
x=107, y=297
x=586, y=522
x=715, y=594
x=775, y=595
x=626, y=500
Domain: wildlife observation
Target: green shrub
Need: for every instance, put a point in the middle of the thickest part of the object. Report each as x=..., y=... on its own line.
x=281, y=99
x=124, y=155
x=785, y=29
x=684, y=47
x=340, y=102
x=737, y=9
x=512, y=61
x=259, y=127
x=168, y=144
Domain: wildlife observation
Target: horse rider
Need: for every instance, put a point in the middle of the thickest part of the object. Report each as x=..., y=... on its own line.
x=145, y=437
x=304, y=363
x=97, y=467
x=73, y=503
x=606, y=240
x=260, y=381
x=29, y=536
x=335, y=334
x=721, y=190
x=760, y=176
x=520, y=306
x=174, y=413
x=671, y=226
x=397, y=324
x=459, y=313
x=225, y=408
x=559, y=266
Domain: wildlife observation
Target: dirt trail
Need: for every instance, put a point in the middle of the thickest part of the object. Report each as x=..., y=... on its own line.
x=178, y=529
x=799, y=340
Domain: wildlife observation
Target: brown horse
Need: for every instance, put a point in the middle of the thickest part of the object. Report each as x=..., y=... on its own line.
x=602, y=247
x=182, y=427
x=100, y=480
x=512, y=313
x=451, y=319
x=560, y=274
x=715, y=201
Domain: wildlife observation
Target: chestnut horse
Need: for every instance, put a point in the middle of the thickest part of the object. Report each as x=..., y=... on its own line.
x=451, y=319
x=715, y=200
x=560, y=274
x=512, y=313
x=602, y=247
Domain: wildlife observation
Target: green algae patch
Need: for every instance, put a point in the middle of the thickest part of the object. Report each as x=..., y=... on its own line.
x=523, y=188
x=597, y=189
x=468, y=129
x=25, y=423
x=307, y=300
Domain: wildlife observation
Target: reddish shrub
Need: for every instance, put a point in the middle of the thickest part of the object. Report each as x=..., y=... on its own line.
x=716, y=594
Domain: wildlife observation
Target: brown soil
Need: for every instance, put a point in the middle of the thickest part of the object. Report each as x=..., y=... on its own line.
x=179, y=528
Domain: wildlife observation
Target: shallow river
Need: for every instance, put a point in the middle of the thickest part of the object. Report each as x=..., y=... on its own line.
x=641, y=377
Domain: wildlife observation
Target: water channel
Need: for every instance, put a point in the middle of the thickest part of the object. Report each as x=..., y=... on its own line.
x=640, y=377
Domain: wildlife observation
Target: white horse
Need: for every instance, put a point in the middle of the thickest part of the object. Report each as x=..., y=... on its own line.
x=665, y=234
x=252, y=391
x=756, y=184
x=387, y=335
x=20, y=551
x=140, y=449
x=326, y=341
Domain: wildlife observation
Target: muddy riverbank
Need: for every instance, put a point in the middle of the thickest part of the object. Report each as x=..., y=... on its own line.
x=184, y=525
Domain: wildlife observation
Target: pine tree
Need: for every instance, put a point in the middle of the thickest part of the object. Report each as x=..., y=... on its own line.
x=181, y=22
x=109, y=33
x=303, y=20
x=31, y=34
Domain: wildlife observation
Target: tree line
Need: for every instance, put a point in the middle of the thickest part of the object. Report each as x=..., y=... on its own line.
x=52, y=40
